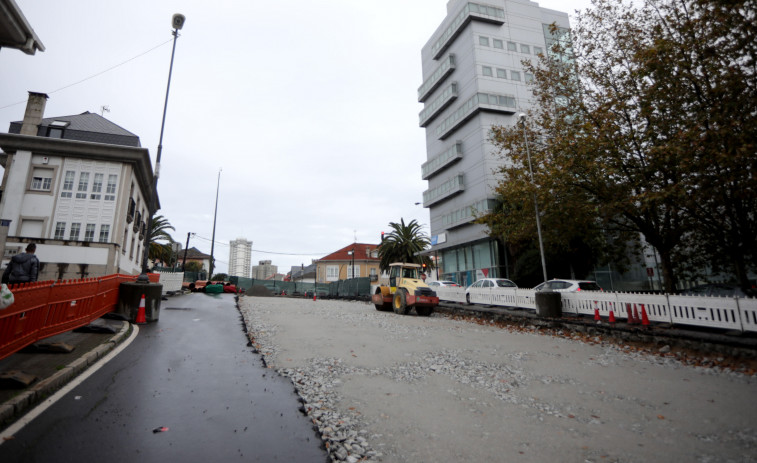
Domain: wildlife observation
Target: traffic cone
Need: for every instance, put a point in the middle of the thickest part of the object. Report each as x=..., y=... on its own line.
x=141, y=319
x=314, y=294
x=597, y=318
x=636, y=319
x=612, y=317
x=630, y=313
x=644, y=318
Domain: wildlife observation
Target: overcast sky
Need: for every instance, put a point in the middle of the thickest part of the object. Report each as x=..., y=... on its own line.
x=309, y=108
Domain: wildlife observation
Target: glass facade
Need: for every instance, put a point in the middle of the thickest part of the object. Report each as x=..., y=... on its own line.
x=466, y=264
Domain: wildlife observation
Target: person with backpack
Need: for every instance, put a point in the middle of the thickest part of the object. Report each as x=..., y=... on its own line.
x=23, y=267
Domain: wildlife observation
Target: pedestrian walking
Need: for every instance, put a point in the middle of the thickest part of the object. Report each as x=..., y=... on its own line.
x=23, y=267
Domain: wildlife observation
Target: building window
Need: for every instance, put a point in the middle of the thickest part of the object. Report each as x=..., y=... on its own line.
x=104, y=232
x=515, y=75
x=525, y=49
x=487, y=71
x=501, y=73
x=68, y=184
x=83, y=185
x=42, y=179
x=56, y=128
x=528, y=76
x=498, y=43
x=332, y=272
x=353, y=275
x=97, y=186
x=126, y=237
x=131, y=249
x=60, y=231
x=110, y=191
x=74, y=233
x=512, y=46
x=483, y=41
x=89, y=232
x=538, y=51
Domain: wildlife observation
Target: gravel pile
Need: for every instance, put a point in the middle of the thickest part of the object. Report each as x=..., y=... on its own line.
x=507, y=379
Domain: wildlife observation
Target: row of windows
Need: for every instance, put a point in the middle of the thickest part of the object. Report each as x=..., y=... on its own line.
x=448, y=188
x=488, y=71
x=74, y=232
x=82, y=189
x=468, y=213
x=462, y=113
x=437, y=77
x=511, y=46
x=435, y=107
x=470, y=12
x=436, y=164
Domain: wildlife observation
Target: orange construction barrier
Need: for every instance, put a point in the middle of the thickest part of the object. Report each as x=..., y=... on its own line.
x=141, y=319
x=644, y=318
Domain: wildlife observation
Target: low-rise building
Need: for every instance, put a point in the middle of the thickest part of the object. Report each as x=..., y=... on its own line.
x=78, y=186
x=352, y=261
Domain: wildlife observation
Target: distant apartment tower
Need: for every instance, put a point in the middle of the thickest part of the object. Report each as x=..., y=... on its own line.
x=264, y=270
x=240, y=257
x=473, y=79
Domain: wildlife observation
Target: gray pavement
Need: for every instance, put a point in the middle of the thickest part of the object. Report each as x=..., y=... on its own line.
x=53, y=370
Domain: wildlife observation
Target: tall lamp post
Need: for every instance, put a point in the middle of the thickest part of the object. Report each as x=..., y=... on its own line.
x=177, y=22
x=522, y=121
x=213, y=238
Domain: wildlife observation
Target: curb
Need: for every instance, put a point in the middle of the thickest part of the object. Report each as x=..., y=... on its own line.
x=18, y=405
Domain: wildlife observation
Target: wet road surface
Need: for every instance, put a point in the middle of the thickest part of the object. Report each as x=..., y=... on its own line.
x=192, y=373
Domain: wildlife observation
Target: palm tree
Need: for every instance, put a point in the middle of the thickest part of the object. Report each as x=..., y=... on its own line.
x=161, y=251
x=403, y=243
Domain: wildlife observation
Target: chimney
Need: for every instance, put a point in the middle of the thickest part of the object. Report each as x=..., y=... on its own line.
x=35, y=110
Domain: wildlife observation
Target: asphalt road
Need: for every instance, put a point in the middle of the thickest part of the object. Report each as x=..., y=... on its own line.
x=193, y=374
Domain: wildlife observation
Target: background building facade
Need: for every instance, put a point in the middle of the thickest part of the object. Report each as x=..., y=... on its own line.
x=264, y=270
x=473, y=78
x=240, y=257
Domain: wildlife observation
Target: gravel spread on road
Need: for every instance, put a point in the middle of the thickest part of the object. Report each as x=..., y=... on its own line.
x=384, y=387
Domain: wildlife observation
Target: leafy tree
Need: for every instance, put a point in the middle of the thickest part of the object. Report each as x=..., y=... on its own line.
x=159, y=250
x=403, y=243
x=220, y=277
x=193, y=266
x=623, y=139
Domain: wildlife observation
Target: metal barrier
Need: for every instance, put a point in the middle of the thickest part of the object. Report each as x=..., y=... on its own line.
x=46, y=308
x=729, y=313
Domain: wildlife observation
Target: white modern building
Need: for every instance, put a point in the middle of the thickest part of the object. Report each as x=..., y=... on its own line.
x=240, y=258
x=473, y=79
x=77, y=187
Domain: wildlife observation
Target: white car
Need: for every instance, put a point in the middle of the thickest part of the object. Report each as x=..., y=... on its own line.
x=489, y=283
x=443, y=283
x=568, y=286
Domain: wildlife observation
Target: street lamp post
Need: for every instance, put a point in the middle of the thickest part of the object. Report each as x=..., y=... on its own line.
x=177, y=22
x=522, y=121
x=186, y=248
x=213, y=238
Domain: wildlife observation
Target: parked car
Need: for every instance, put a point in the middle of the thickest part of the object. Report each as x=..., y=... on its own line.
x=442, y=283
x=568, y=286
x=489, y=283
x=715, y=289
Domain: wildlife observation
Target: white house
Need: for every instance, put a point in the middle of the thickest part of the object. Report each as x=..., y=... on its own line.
x=78, y=187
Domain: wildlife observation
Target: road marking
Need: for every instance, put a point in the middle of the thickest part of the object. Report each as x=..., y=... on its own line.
x=13, y=429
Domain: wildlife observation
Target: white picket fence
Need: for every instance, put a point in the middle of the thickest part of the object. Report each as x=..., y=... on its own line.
x=171, y=281
x=731, y=313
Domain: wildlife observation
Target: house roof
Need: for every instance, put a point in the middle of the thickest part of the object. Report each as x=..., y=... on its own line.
x=360, y=253
x=298, y=272
x=15, y=31
x=86, y=126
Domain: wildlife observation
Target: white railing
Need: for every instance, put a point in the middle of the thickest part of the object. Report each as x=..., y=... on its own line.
x=171, y=281
x=715, y=312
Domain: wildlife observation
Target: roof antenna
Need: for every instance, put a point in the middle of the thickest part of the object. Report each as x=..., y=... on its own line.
x=104, y=109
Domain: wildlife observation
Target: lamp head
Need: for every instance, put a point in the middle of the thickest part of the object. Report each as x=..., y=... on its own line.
x=522, y=117
x=178, y=21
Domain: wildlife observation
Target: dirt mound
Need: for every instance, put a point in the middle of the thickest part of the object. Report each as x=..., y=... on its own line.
x=259, y=291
